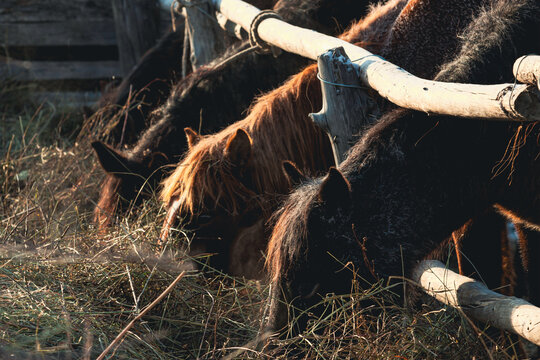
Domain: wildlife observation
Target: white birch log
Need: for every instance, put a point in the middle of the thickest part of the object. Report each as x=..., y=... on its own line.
x=503, y=101
x=527, y=69
x=477, y=301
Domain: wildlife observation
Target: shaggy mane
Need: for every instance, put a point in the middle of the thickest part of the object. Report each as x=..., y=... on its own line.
x=108, y=202
x=205, y=174
x=290, y=223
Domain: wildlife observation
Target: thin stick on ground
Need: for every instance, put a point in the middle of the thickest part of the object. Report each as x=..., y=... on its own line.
x=148, y=308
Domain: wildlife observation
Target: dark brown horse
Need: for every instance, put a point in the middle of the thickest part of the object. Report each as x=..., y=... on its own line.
x=210, y=98
x=412, y=180
x=230, y=179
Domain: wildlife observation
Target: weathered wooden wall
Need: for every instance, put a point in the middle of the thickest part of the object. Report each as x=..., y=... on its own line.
x=42, y=23
x=39, y=37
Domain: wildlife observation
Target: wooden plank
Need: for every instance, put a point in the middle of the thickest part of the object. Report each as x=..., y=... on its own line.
x=68, y=99
x=58, y=70
x=474, y=298
x=496, y=102
x=63, y=33
x=347, y=107
x=23, y=11
x=205, y=38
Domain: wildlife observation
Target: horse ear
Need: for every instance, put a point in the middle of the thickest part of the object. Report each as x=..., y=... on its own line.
x=238, y=149
x=110, y=159
x=292, y=174
x=192, y=137
x=335, y=189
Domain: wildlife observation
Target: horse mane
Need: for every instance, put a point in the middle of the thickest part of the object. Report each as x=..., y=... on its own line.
x=482, y=40
x=290, y=224
x=375, y=24
x=206, y=175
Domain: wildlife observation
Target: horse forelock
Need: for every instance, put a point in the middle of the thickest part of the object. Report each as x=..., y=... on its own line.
x=289, y=230
x=201, y=177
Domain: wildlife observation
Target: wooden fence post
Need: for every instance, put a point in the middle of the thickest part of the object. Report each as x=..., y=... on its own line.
x=347, y=107
x=205, y=35
x=137, y=29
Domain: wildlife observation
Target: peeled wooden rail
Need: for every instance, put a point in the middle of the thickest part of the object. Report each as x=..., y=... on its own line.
x=499, y=102
x=527, y=69
x=504, y=312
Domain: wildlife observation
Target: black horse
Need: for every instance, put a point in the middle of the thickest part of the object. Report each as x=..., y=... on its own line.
x=412, y=179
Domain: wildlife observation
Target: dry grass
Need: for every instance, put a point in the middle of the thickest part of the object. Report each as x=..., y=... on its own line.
x=67, y=290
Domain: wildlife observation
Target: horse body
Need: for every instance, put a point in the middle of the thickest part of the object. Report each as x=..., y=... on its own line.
x=411, y=181
x=210, y=98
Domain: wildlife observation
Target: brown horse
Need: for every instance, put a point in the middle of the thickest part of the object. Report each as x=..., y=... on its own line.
x=229, y=179
x=412, y=180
